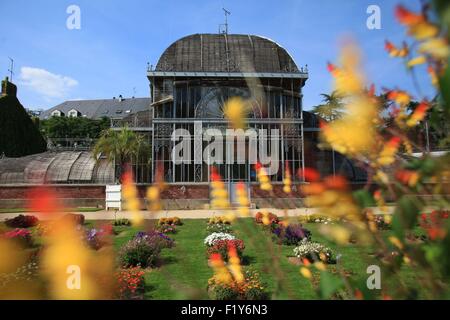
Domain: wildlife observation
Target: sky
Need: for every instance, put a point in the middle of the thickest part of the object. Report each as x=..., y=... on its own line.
x=108, y=55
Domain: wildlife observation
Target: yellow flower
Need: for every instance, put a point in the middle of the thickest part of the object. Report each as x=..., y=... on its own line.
x=153, y=195
x=436, y=47
x=320, y=266
x=423, y=30
x=396, y=242
x=235, y=111
x=416, y=61
x=306, y=272
x=388, y=218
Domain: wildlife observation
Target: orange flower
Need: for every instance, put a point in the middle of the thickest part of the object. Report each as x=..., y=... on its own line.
x=264, y=181
x=386, y=157
x=433, y=75
x=287, y=181
x=418, y=114
x=407, y=177
x=400, y=97
x=309, y=174
x=130, y=195
x=336, y=182
x=396, y=52
x=407, y=17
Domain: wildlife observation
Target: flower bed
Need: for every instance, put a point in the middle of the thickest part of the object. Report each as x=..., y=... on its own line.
x=173, y=221
x=22, y=221
x=222, y=247
x=21, y=236
x=95, y=238
x=313, y=251
x=130, y=283
x=293, y=234
x=219, y=228
x=266, y=218
x=219, y=220
x=167, y=228
x=251, y=288
x=216, y=236
x=144, y=249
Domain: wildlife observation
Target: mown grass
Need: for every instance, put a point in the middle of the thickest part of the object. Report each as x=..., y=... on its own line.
x=184, y=272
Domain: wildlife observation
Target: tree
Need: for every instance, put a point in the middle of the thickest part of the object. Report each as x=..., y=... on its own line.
x=62, y=127
x=121, y=147
x=332, y=107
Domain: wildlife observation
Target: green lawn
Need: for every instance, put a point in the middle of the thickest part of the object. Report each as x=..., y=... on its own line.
x=184, y=272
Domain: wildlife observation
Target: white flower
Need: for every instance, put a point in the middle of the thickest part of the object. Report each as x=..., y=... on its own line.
x=213, y=237
x=311, y=250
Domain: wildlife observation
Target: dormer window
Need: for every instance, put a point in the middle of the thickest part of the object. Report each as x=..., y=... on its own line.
x=73, y=113
x=57, y=113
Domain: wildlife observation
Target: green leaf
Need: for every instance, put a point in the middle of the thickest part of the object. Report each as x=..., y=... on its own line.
x=364, y=198
x=405, y=215
x=444, y=84
x=329, y=284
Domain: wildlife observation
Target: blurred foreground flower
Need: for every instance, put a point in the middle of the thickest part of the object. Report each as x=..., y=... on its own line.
x=130, y=195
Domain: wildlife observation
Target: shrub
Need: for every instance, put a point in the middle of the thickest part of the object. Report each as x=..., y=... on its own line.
x=216, y=236
x=221, y=247
x=266, y=218
x=121, y=222
x=22, y=221
x=173, y=221
x=75, y=218
x=21, y=236
x=292, y=234
x=156, y=237
x=313, y=251
x=139, y=252
x=95, y=238
x=249, y=289
x=219, y=220
x=130, y=283
x=167, y=228
x=219, y=227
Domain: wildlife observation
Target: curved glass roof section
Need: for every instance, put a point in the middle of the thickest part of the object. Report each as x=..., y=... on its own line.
x=69, y=167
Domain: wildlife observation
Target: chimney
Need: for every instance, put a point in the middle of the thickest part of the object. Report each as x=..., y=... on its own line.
x=120, y=98
x=8, y=88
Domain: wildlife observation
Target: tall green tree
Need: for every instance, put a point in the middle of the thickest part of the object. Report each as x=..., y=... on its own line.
x=331, y=108
x=121, y=146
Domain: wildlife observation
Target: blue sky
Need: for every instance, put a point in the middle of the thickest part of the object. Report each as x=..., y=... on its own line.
x=109, y=54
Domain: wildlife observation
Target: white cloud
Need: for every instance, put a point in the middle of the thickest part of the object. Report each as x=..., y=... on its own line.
x=48, y=84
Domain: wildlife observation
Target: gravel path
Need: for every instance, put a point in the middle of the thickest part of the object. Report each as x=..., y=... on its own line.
x=183, y=214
